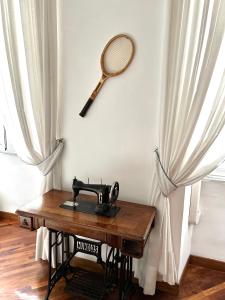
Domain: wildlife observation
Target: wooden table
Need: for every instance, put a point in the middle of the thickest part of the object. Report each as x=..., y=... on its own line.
x=126, y=233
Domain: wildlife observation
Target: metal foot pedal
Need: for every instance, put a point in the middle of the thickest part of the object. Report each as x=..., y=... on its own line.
x=88, y=285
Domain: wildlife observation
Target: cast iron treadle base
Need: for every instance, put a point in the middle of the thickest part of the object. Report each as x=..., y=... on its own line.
x=86, y=284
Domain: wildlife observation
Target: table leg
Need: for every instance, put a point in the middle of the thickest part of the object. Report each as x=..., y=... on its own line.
x=118, y=272
x=111, y=268
x=62, y=267
x=126, y=286
x=49, y=264
x=114, y=275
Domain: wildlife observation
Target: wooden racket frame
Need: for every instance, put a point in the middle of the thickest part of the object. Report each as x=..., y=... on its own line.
x=105, y=74
x=108, y=74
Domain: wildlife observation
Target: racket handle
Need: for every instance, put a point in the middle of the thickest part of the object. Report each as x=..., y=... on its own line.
x=86, y=107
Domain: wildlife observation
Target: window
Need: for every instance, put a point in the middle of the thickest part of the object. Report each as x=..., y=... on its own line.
x=219, y=145
x=3, y=138
x=219, y=173
x=6, y=91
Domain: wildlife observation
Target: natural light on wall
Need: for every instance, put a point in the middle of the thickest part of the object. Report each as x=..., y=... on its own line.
x=6, y=91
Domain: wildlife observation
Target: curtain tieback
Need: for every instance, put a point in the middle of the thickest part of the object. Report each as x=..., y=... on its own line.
x=47, y=164
x=165, y=182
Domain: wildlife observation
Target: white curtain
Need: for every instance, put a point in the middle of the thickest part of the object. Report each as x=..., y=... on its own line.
x=31, y=103
x=190, y=123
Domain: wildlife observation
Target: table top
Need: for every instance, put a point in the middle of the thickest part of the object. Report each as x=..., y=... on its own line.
x=133, y=221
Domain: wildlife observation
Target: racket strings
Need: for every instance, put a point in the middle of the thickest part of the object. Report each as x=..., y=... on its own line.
x=118, y=54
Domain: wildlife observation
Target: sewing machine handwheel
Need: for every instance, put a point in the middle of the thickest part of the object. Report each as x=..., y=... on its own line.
x=114, y=191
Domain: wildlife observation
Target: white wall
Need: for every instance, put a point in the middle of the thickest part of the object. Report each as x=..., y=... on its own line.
x=209, y=235
x=115, y=141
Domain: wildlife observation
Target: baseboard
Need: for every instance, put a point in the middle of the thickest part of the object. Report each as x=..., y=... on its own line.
x=207, y=263
x=172, y=289
x=7, y=216
x=194, y=260
x=86, y=264
x=167, y=288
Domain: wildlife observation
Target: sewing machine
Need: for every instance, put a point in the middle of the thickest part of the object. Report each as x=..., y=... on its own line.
x=106, y=198
x=126, y=234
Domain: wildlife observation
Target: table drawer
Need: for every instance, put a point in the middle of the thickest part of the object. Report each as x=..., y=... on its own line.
x=38, y=222
x=76, y=229
x=26, y=222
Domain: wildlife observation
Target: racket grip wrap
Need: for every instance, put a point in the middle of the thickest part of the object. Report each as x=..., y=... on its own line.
x=86, y=107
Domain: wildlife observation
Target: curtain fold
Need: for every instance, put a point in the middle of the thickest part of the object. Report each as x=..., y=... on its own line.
x=32, y=107
x=196, y=33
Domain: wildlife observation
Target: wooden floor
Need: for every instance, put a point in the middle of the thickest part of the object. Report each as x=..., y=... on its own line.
x=22, y=278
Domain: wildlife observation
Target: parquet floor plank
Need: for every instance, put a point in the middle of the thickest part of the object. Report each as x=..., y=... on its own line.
x=23, y=278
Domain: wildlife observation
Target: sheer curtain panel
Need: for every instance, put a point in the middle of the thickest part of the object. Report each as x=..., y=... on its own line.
x=196, y=33
x=32, y=85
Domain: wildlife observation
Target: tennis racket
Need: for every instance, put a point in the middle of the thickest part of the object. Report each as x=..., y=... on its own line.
x=116, y=57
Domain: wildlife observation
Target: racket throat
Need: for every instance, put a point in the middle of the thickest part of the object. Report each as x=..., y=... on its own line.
x=99, y=86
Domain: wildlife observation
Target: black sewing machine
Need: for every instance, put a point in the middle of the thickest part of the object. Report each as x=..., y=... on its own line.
x=106, y=198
